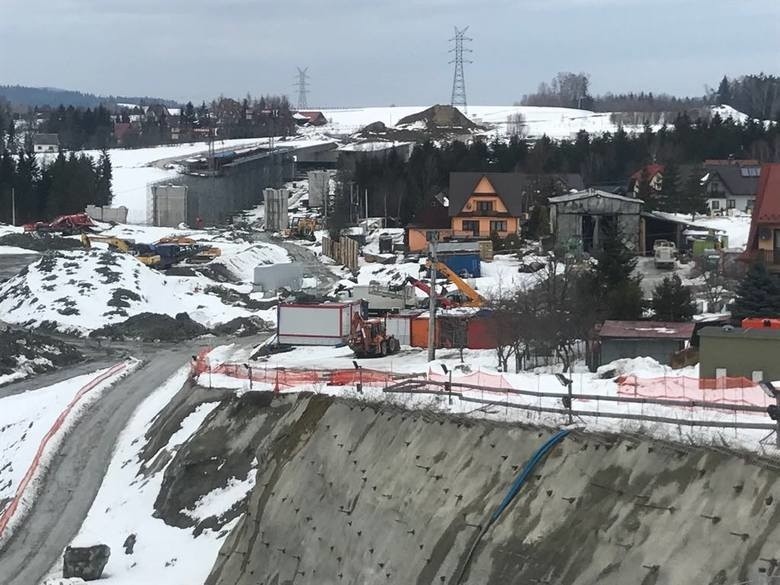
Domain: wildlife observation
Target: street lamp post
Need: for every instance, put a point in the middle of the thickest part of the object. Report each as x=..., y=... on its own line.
x=249, y=370
x=359, y=385
x=448, y=383
x=567, y=401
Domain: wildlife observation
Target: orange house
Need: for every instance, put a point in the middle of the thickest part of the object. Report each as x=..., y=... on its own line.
x=485, y=203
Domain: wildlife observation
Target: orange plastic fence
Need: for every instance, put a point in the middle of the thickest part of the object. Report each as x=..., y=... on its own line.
x=736, y=390
x=8, y=513
x=281, y=378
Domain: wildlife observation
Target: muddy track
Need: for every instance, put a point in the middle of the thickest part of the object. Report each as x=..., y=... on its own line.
x=77, y=471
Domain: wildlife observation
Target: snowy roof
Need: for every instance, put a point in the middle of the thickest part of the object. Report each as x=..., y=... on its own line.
x=46, y=139
x=646, y=330
x=588, y=193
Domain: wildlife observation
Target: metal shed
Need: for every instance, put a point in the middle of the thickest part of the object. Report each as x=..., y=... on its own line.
x=735, y=351
x=630, y=339
x=580, y=219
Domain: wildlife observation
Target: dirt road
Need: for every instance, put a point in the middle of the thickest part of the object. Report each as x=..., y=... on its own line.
x=73, y=480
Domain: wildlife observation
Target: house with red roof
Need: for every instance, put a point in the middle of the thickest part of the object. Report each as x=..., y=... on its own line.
x=764, y=239
x=654, y=174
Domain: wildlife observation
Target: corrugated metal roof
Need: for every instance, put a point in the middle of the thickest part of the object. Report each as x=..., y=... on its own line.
x=588, y=193
x=646, y=330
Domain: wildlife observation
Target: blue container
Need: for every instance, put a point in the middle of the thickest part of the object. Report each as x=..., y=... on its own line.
x=464, y=265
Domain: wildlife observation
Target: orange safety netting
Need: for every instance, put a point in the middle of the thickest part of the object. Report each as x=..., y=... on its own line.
x=736, y=390
x=488, y=381
x=281, y=377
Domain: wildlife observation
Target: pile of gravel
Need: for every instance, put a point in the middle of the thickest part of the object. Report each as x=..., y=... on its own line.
x=242, y=327
x=35, y=353
x=153, y=327
x=39, y=243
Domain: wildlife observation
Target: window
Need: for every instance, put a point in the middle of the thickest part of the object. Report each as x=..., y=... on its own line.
x=484, y=206
x=471, y=226
x=432, y=235
x=714, y=204
x=497, y=226
x=731, y=203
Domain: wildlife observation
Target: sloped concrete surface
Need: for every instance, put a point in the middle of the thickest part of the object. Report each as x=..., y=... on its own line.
x=354, y=494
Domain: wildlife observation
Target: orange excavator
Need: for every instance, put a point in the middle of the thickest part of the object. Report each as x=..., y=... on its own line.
x=369, y=338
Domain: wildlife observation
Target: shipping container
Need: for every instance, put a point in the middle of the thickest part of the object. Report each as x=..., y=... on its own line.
x=400, y=325
x=464, y=265
x=482, y=331
x=761, y=323
x=315, y=324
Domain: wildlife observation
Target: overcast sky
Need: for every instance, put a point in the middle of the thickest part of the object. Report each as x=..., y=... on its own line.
x=380, y=52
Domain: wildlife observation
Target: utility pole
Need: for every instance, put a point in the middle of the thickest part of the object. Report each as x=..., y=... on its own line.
x=432, y=302
x=13, y=206
x=303, y=88
x=459, y=79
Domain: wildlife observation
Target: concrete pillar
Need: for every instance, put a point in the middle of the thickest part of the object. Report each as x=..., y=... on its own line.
x=596, y=232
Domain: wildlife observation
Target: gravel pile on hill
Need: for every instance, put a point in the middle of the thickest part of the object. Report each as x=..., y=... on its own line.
x=23, y=354
x=39, y=244
x=153, y=327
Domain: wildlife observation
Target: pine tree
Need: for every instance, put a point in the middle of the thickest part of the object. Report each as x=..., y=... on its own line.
x=616, y=262
x=103, y=195
x=693, y=198
x=670, y=188
x=758, y=295
x=672, y=300
x=645, y=191
x=724, y=92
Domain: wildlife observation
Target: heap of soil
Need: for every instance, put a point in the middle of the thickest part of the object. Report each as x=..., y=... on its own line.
x=441, y=118
x=242, y=327
x=153, y=327
x=39, y=244
x=38, y=353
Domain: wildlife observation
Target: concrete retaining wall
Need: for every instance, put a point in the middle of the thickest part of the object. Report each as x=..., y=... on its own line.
x=352, y=494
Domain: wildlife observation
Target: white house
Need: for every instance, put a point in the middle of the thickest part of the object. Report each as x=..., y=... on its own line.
x=46, y=143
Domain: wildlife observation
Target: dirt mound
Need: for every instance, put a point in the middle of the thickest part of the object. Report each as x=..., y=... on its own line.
x=242, y=327
x=153, y=327
x=440, y=118
x=39, y=244
x=30, y=353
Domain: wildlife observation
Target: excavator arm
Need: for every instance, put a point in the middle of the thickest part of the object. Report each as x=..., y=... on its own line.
x=474, y=298
x=423, y=286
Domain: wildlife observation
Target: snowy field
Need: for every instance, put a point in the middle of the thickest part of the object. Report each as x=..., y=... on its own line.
x=556, y=123
x=26, y=418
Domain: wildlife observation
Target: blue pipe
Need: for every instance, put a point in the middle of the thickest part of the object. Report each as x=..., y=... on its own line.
x=527, y=469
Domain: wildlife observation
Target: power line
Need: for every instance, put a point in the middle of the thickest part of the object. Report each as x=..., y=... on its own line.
x=459, y=79
x=302, y=84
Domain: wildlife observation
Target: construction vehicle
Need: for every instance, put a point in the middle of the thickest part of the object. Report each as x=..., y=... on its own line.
x=140, y=251
x=471, y=298
x=369, y=338
x=194, y=252
x=664, y=253
x=67, y=225
x=302, y=228
x=441, y=298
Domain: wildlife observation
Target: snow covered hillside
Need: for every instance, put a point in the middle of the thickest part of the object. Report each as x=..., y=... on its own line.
x=80, y=291
x=554, y=122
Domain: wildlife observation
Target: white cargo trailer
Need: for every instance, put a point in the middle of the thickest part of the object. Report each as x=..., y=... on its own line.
x=315, y=324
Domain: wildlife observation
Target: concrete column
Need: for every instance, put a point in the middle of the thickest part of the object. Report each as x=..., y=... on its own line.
x=596, y=232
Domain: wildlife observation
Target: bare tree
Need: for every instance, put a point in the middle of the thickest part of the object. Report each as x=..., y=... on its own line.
x=516, y=125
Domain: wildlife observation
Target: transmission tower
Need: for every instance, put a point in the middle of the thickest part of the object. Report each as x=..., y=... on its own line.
x=459, y=80
x=303, y=87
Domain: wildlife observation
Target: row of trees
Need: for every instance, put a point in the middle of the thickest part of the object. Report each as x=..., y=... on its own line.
x=66, y=185
x=401, y=187
x=757, y=95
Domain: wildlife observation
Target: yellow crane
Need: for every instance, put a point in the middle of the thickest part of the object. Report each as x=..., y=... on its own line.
x=474, y=298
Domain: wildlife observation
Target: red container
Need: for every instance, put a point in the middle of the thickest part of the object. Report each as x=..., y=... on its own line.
x=760, y=323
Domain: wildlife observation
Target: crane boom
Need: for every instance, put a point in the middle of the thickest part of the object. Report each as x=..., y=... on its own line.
x=474, y=298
